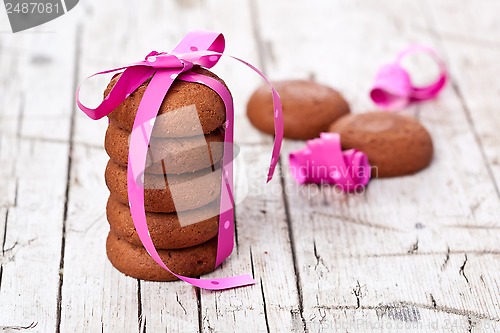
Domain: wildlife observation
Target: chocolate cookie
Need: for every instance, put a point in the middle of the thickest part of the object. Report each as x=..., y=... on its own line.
x=135, y=262
x=186, y=106
x=172, y=155
x=396, y=145
x=168, y=230
x=308, y=108
x=188, y=190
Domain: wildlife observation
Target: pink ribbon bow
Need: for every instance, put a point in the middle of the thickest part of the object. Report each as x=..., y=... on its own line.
x=322, y=161
x=204, y=49
x=393, y=88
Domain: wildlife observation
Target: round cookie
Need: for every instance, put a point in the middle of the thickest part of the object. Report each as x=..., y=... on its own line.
x=396, y=145
x=185, y=107
x=308, y=108
x=135, y=262
x=167, y=230
x=169, y=155
x=189, y=190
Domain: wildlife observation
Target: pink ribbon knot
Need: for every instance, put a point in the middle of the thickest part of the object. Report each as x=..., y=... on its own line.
x=161, y=60
x=198, y=48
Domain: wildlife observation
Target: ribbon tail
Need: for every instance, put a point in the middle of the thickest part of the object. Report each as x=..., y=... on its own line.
x=128, y=82
x=210, y=57
x=278, y=120
x=201, y=40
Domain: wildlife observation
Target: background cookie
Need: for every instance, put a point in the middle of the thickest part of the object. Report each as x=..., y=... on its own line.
x=190, y=190
x=179, y=155
x=396, y=145
x=134, y=261
x=185, y=107
x=198, y=226
x=308, y=108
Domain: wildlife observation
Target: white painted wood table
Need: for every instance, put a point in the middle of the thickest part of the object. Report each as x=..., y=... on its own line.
x=413, y=254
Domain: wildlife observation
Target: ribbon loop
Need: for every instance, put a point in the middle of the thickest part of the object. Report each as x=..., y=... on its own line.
x=393, y=88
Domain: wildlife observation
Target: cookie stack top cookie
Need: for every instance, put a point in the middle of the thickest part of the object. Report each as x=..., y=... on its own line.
x=186, y=105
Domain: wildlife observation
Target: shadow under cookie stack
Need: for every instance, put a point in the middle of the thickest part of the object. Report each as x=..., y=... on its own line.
x=181, y=182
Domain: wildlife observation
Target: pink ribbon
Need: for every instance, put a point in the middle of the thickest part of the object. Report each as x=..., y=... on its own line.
x=322, y=161
x=204, y=49
x=393, y=88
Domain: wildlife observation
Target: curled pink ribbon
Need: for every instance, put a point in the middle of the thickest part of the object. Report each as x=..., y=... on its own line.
x=393, y=88
x=204, y=49
x=322, y=161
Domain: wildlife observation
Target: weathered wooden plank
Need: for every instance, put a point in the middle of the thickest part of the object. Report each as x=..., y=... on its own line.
x=8, y=146
x=398, y=317
x=10, y=118
x=263, y=249
x=344, y=243
x=4, y=23
x=34, y=157
x=461, y=283
x=470, y=23
x=95, y=296
x=469, y=38
x=31, y=247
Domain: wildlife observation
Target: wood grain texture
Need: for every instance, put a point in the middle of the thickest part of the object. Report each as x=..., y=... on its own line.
x=469, y=39
x=95, y=296
x=389, y=245
x=34, y=160
x=413, y=254
x=263, y=248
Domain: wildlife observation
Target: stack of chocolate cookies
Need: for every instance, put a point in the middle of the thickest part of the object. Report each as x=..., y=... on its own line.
x=181, y=182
